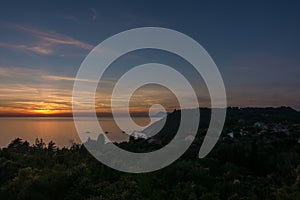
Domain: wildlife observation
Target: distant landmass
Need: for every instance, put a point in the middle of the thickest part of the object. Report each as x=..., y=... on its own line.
x=160, y=114
x=237, y=120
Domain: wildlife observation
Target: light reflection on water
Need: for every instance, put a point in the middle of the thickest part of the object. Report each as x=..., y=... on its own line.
x=61, y=130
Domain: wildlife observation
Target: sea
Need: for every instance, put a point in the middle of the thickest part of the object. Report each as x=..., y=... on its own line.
x=62, y=131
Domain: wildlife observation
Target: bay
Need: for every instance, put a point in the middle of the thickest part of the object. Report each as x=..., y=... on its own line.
x=62, y=130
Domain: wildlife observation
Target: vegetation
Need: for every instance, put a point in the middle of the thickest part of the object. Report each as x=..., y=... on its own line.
x=261, y=161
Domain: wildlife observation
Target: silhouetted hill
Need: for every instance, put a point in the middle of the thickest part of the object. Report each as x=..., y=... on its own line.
x=259, y=159
x=236, y=119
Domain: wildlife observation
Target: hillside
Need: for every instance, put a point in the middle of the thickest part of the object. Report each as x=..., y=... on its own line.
x=260, y=161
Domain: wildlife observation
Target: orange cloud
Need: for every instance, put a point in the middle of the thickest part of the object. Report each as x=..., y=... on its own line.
x=30, y=91
x=36, y=49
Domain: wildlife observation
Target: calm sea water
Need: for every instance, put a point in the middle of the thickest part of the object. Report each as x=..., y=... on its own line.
x=61, y=130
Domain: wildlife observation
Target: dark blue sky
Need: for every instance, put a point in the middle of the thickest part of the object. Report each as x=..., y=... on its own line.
x=255, y=44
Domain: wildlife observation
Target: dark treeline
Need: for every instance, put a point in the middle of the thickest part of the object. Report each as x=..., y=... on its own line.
x=259, y=159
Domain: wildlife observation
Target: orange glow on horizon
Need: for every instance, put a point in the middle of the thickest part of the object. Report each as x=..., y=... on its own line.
x=46, y=111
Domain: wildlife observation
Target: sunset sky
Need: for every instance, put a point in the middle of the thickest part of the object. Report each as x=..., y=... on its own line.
x=256, y=46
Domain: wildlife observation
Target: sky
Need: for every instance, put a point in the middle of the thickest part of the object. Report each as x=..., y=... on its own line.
x=255, y=44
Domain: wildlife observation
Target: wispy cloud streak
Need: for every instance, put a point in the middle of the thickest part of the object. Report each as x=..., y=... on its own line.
x=36, y=49
x=45, y=41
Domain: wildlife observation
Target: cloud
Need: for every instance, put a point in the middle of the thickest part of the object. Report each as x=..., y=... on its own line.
x=50, y=37
x=106, y=81
x=24, y=90
x=264, y=94
x=45, y=41
x=18, y=73
x=59, y=78
x=36, y=49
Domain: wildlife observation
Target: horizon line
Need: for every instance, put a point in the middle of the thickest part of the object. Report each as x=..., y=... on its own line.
x=133, y=114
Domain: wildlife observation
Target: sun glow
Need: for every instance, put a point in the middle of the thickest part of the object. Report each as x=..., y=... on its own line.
x=46, y=111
